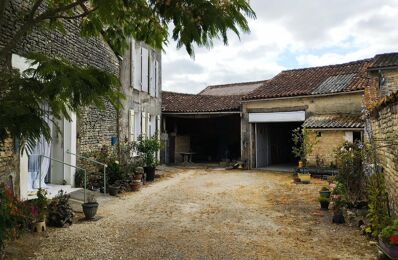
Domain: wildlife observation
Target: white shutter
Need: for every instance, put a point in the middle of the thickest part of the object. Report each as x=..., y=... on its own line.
x=137, y=66
x=145, y=72
x=150, y=126
x=143, y=124
x=131, y=125
x=147, y=125
x=152, y=74
x=158, y=130
x=157, y=76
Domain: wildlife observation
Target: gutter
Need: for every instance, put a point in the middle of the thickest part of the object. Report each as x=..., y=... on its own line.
x=304, y=96
x=200, y=113
x=337, y=129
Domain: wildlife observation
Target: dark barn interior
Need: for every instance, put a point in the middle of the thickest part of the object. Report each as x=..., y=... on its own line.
x=212, y=138
x=274, y=143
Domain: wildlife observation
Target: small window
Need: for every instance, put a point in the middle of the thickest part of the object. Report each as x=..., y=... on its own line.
x=357, y=136
x=318, y=134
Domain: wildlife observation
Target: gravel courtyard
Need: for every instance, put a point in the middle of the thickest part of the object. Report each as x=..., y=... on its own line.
x=210, y=214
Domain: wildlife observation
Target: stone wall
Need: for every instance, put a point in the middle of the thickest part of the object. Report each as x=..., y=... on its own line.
x=390, y=85
x=8, y=165
x=94, y=127
x=327, y=143
x=384, y=121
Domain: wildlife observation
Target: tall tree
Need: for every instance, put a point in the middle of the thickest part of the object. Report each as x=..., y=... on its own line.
x=190, y=22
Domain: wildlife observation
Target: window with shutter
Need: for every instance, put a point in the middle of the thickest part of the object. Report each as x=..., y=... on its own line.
x=131, y=125
x=137, y=66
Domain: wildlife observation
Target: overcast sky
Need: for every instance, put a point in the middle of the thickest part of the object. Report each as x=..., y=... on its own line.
x=288, y=34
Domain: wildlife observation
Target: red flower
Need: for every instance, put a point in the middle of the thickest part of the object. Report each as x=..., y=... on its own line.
x=394, y=240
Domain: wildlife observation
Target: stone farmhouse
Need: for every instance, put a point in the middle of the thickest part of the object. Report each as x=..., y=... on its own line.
x=139, y=71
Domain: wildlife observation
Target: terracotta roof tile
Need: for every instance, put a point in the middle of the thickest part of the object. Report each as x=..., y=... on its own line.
x=334, y=121
x=188, y=103
x=317, y=80
x=383, y=61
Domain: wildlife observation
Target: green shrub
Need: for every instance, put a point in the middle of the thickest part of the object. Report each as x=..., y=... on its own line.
x=60, y=213
x=79, y=179
x=390, y=233
x=147, y=147
x=323, y=199
x=351, y=175
x=114, y=172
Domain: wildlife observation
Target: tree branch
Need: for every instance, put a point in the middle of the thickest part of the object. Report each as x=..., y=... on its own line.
x=30, y=21
x=51, y=13
x=85, y=13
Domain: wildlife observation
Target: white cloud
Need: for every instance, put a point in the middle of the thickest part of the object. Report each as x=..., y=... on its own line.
x=288, y=33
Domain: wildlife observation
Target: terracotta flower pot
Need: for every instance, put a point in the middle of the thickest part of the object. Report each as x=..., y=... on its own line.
x=137, y=177
x=136, y=185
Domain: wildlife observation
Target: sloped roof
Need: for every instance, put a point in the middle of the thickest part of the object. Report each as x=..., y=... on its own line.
x=334, y=121
x=384, y=61
x=242, y=88
x=316, y=80
x=189, y=103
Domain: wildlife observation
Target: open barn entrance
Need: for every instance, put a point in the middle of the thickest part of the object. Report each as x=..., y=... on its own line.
x=205, y=138
x=274, y=144
x=273, y=138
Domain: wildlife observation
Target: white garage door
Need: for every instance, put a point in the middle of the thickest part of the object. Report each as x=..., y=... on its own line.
x=292, y=116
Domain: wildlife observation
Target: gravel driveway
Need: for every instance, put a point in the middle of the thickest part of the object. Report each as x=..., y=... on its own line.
x=211, y=214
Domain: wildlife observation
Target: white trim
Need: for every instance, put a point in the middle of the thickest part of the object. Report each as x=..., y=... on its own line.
x=293, y=116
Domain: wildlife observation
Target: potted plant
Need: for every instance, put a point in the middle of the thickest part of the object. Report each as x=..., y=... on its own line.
x=325, y=192
x=388, y=240
x=60, y=213
x=138, y=172
x=324, y=202
x=90, y=207
x=113, y=189
x=303, y=145
x=41, y=207
x=338, y=203
x=147, y=147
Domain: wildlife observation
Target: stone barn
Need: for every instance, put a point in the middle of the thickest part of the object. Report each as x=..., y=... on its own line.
x=325, y=99
x=204, y=128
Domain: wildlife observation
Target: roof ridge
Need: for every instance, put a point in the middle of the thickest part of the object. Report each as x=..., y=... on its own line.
x=236, y=83
x=386, y=53
x=331, y=65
